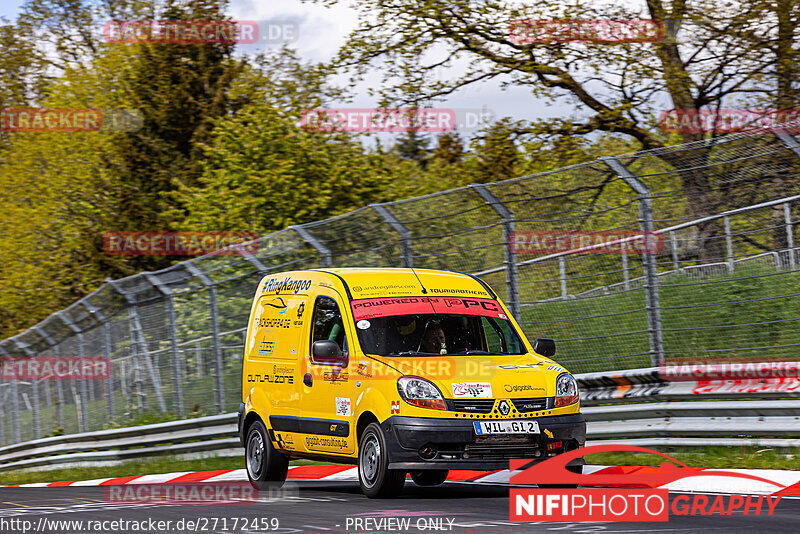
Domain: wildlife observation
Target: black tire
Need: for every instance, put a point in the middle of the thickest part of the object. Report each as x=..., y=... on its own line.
x=376, y=479
x=433, y=477
x=266, y=467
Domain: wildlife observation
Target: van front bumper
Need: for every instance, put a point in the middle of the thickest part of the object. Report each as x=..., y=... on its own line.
x=410, y=441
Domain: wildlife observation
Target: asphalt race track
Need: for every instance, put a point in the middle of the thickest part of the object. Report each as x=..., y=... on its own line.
x=324, y=507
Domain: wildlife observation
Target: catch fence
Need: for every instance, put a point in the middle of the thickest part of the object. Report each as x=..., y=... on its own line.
x=720, y=284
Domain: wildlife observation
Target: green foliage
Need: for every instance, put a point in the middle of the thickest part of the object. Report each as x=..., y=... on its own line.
x=262, y=173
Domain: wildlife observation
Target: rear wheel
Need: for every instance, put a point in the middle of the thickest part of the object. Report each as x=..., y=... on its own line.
x=266, y=467
x=374, y=475
x=429, y=478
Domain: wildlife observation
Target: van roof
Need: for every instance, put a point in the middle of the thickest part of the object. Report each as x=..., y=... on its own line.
x=380, y=282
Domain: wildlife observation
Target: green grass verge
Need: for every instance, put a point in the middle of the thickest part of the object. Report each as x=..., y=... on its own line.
x=707, y=457
x=752, y=308
x=135, y=467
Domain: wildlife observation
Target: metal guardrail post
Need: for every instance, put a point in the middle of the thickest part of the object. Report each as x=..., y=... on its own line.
x=406, y=238
x=16, y=435
x=562, y=276
x=35, y=412
x=106, y=340
x=648, y=257
x=215, y=341
x=177, y=379
x=326, y=258
x=81, y=396
x=510, y=255
x=787, y=217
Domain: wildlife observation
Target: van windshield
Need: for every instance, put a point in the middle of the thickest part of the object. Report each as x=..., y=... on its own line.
x=435, y=334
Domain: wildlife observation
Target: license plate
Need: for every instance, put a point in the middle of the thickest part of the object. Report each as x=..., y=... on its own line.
x=506, y=427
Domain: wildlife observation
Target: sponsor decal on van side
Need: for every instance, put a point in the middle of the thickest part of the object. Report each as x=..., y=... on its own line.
x=273, y=285
x=473, y=390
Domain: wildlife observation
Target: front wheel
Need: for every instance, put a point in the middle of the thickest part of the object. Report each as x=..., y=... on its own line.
x=429, y=478
x=374, y=475
x=266, y=467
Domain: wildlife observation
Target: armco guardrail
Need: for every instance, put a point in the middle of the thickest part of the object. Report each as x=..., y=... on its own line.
x=648, y=407
x=201, y=435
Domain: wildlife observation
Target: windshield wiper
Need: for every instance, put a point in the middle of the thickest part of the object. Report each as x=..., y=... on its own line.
x=414, y=353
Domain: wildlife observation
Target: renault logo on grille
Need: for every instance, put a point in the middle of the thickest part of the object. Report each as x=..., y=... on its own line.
x=503, y=407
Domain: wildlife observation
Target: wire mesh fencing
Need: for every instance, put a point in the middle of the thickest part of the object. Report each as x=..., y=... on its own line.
x=679, y=254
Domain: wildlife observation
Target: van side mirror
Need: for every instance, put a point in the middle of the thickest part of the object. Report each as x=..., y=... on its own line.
x=327, y=351
x=544, y=346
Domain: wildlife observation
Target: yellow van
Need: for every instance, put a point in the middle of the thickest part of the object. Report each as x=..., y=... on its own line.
x=397, y=371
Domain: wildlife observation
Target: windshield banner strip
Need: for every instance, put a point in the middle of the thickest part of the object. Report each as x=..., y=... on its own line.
x=384, y=307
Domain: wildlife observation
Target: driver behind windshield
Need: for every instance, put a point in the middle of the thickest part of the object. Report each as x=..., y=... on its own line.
x=434, y=341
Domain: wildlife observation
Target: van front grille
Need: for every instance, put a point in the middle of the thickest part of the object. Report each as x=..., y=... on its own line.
x=473, y=405
x=530, y=405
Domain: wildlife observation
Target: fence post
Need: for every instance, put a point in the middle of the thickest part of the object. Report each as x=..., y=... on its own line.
x=137, y=339
x=326, y=258
x=199, y=358
x=177, y=379
x=3, y=394
x=80, y=397
x=215, y=341
x=15, y=430
x=405, y=235
x=625, y=274
x=648, y=258
x=729, y=244
x=509, y=255
x=57, y=403
x=675, y=259
x=35, y=413
x=59, y=396
x=106, y=335
x=787, y=217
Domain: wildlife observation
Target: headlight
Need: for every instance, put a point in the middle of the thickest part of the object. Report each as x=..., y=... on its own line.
x=420, y=392
x=566, y=390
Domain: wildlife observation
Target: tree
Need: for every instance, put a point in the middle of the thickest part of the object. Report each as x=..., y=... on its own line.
x=263, y=173
x=703, y=61
x=449, y=148
x=180, y=89
x=413, y=146
x=496, y=153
